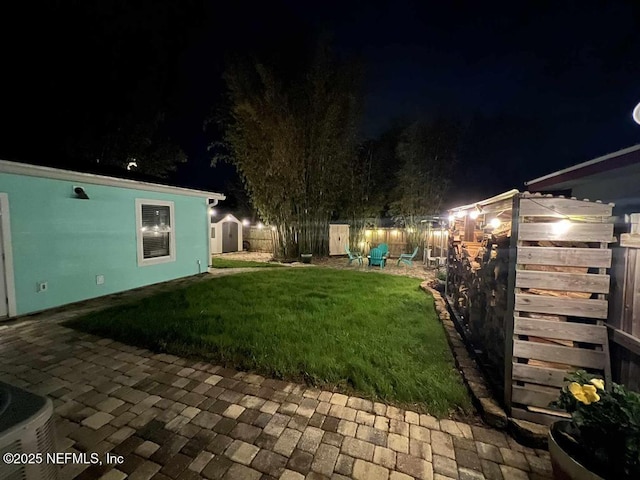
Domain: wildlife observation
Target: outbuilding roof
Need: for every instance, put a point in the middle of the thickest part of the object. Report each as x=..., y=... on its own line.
x=219, y=217
x=568, y=177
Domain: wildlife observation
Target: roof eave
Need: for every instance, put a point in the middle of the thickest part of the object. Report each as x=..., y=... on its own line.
x=17, y=168
x=487, y=201
x=615, y=160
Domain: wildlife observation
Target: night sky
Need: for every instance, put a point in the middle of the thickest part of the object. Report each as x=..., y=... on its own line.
x=537, y=86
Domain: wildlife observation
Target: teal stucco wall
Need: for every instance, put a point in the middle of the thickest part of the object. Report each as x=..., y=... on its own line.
x=67, y=242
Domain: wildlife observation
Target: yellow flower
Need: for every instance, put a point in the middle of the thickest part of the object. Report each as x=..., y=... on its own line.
x=584, y=393
x=598, y=382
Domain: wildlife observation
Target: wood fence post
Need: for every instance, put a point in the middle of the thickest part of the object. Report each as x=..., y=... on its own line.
x=510, y=313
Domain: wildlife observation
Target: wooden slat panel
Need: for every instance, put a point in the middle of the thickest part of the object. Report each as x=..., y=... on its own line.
x=529, y=396
x=535, y=417
x=576, y=307
x=576, y=232
x=544, y=376
x=570, y=282
x=578, y=332
x=630, y=240
x=561, y=207
x=577, y=357
x=560, y=256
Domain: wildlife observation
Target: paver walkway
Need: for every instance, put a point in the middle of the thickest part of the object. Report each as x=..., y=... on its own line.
x=172, y=418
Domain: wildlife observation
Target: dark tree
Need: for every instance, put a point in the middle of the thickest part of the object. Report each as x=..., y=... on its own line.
x=292, y=138
x=427, y=154
x=93, y=82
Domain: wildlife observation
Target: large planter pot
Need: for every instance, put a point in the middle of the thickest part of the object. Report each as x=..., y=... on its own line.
x=306, y=257
x=563, y=464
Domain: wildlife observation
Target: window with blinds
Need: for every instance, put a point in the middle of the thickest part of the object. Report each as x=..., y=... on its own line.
x=156, y=231
x=156, y=237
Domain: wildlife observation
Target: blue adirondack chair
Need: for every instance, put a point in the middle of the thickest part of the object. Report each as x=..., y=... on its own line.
x=384, y=248
x=408, y=257
x=376, y=258
x=353, y=255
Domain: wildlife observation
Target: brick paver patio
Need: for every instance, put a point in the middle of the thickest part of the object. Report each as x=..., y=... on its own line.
x=173, y=418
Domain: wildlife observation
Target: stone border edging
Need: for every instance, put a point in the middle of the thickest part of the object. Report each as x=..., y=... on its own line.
x=526, y=433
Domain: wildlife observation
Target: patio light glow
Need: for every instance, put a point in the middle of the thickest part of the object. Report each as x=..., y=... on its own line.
x=273, y=228
x=246, y=222
x=228, y=217
x=636, y=114
x=495, y=222
x=452, y=219
x=212, y=211
x=260, y=226
x=367, y=233
x=474, y=214
x=561, y=227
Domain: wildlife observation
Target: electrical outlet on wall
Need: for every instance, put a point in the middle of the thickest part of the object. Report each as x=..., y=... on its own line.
x=42, y=286
x=99, y=279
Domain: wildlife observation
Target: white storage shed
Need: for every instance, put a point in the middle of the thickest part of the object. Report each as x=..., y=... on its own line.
x=226, y=234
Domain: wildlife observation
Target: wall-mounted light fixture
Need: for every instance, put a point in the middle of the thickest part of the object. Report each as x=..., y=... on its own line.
x=80, y=193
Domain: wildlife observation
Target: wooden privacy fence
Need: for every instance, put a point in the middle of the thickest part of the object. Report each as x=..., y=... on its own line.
x=528, y=278
x=624, y=317
x=260, y=240
x=395, y=238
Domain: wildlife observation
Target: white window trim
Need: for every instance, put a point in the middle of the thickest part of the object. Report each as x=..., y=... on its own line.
x=143, y=262
x=10, y=285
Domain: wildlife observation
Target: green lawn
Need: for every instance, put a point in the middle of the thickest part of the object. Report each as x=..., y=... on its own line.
x=369, y=333
x=224, y=263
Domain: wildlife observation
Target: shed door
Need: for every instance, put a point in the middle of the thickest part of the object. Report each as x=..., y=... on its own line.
x=3, y=283
x=229, y=237
x=338, y=239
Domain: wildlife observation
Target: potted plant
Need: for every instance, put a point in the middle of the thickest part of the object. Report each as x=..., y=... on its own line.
x=306, y=257
x=602, y=439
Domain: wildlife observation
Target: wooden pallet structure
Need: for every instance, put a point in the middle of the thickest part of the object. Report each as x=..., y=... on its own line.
x=555, y=297
x=560, y=299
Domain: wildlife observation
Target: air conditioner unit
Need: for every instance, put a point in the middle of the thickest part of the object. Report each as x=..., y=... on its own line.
x=26, y=427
